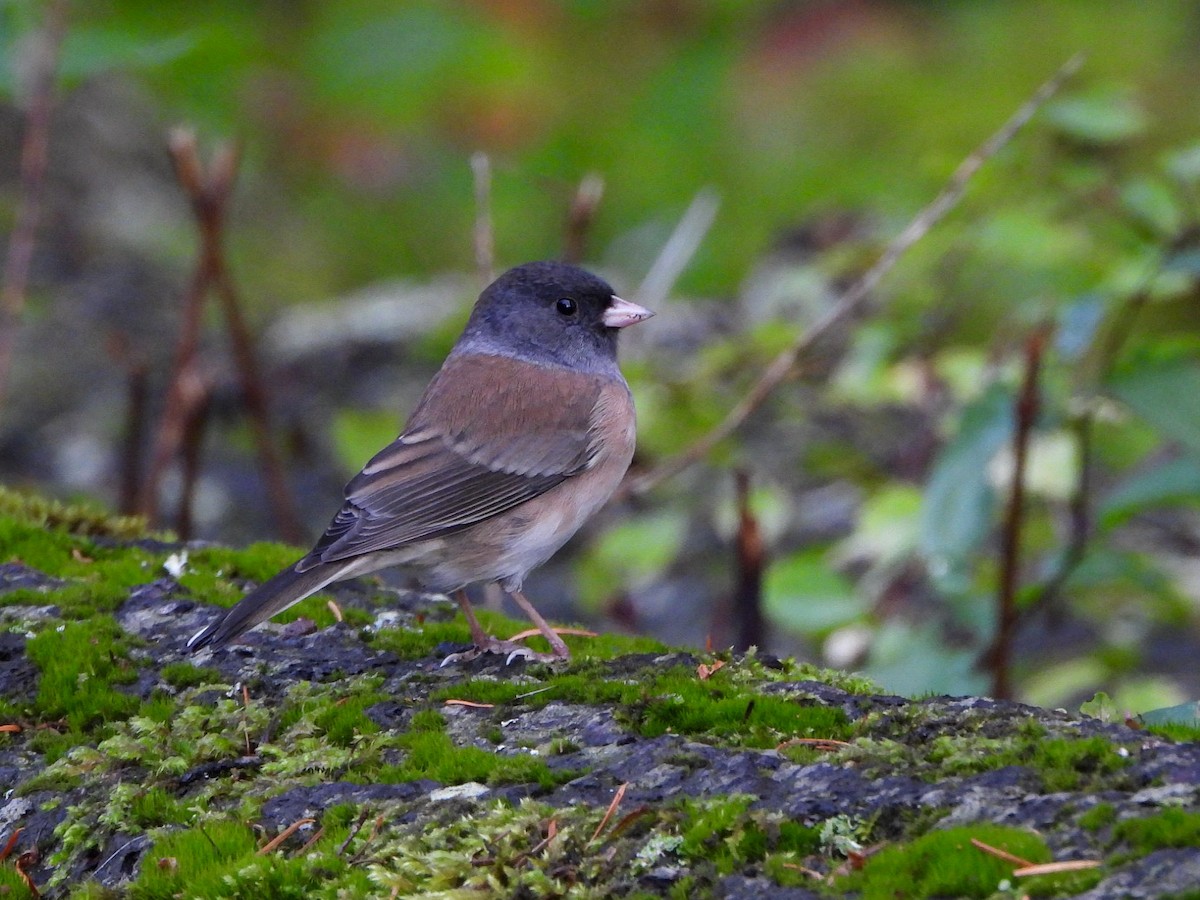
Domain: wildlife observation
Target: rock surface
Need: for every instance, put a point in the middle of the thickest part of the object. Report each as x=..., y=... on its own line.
x=308, y=761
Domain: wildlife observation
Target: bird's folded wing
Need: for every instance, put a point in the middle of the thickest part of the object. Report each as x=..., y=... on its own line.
x=500, y=442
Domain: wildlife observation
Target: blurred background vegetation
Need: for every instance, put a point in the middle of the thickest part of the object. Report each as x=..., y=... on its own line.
x=880, y=476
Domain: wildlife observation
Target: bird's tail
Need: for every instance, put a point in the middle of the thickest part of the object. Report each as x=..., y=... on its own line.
x=271, y=597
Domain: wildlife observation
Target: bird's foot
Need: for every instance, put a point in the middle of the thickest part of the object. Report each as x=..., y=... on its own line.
x=510, y=650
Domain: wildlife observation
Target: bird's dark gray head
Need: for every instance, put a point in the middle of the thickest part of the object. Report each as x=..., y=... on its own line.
x=552, y=313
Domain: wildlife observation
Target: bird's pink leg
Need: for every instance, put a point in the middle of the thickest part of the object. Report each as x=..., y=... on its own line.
x=556, y=643
x=486, y=643
x=479, y=637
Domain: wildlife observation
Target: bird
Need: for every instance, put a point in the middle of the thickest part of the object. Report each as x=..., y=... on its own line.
x=521, y=436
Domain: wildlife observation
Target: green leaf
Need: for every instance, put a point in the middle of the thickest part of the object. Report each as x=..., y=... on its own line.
x=1183, y=714
x=1177, y=481
x=1101, y=707
x=1078, y=323
x=804, y=594
x=959, y=503
x=1153, y=203
x=1167, y=396
x=1101, y=118
x=887, y=525
x=1184, y=164
x=915, y=659
x=633, y=551
x=88, y=51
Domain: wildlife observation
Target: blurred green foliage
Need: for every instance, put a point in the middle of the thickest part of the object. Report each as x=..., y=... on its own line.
x=359, y=118
x=366, y=111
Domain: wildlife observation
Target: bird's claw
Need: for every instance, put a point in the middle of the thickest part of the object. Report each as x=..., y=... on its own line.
x=510, y=649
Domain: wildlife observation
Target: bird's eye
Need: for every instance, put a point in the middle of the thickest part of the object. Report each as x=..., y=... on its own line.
x=566, y=306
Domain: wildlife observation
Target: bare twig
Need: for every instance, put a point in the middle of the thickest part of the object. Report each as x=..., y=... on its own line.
x=1000, y=853
x=618, y=796
x=1056, y=868
x=581, y=215
x=10, y=844
x=999, y=655
x=34, y=158
x=254, y=395
x=1080, y=522
x=363, y=815
x=193, y=439
x=209, y=193
x=137, y=400
x=485, y=241
x=183, y=386
x=854, y=297
x=1108, y=349
x=679, y=248
x=750, y=553
x=22, y=864
x=274, y=844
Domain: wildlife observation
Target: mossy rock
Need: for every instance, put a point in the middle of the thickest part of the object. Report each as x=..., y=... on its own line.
x=333, y=755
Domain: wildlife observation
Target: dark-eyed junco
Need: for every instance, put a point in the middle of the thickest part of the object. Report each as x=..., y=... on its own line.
x=523, y=434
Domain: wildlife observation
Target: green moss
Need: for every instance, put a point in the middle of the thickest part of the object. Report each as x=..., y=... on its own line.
x=133, y=807
x=719, y=832
x=80, y=664
x=222, y=575
x=221, y=859
x=423, y=641
x=195, y=861
x=1062, y=763
x=686, y=705
x=721, y=835
x=98, y=578
x=418, y=643
x=1179, y=732
x=342, y=722
x=1172, y=827
x=674, y=699
x=1064, y=884
x=77, y=518
x=184, y=675
x=257, y=562
x=1068, y=765
x=324, y=728
x=74, y=544
x=610, y=646
x=427, y=720
x=161, y=707
x=12, y=885
x=432, y=754
x=1098, y=816
x=944, y=864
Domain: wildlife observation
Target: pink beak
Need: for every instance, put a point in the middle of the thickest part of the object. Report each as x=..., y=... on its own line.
x=621, y=313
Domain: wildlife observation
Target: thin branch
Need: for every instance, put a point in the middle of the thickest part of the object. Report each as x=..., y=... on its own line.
x=181, y=387
x=1108, y=349
x=680, y=247
x=1079, y=519
x=484, y=237
x=137, y=372
x=34, y=160
x=999, y=655
x=856, y=295
x=581, y=216
x=193, y=441
x=750, y=553
x=209, y=193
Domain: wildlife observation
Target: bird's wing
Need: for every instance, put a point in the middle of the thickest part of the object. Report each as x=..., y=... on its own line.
x=501, y=438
